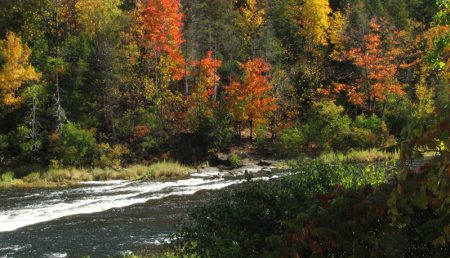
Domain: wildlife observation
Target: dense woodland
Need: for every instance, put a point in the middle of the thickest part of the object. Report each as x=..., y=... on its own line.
x=111, y=82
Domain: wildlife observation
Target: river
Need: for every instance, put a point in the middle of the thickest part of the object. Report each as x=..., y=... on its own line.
x=100, y=219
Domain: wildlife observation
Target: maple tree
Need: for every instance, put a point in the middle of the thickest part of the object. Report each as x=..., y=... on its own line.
x=162, y=23
x=251, y=100
x=16, y=70
x=378, y=60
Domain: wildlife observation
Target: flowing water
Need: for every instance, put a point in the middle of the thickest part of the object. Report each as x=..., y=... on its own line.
x=99, y=219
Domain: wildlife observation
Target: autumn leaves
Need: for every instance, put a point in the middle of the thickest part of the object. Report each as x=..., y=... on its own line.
x=249, y=99
x=15, y=71
x=163, y=21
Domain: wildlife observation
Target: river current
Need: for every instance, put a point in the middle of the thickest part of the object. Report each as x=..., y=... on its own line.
x=99, y=219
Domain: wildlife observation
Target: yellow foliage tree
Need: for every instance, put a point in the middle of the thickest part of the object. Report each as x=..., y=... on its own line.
x=253, y=18
x=338, y=21
x=16, y=70
x=314, y=19
x=96, y=16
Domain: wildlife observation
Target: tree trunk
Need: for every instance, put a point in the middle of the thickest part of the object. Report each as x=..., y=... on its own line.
x=60, y=115
x=186, y=85
x=382, y=111
x=34, y=146
x=239, y=131
x=251, y=130
x=215, y=69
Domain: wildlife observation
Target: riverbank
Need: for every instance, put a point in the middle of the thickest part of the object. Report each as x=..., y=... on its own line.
x=73, y=176
x=232, y=164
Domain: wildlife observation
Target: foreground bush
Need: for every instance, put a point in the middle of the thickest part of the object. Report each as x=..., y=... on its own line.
x=409, y=219
x=238, y=223
x=324, y=210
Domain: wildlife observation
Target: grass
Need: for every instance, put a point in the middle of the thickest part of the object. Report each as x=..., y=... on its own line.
x=359, y=156
x=167, y=170
x=72, y=176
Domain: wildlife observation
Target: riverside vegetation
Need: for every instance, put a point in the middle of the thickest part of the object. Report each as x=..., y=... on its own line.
x=354, y=92
x=72, y=176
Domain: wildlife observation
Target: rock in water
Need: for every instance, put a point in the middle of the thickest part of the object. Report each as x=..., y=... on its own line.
x=266, y=162
x=222, y=157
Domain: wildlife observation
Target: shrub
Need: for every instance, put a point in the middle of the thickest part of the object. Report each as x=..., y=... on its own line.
x=73, y=146
x=372, y=131
x=327, y=125
x=372, y=123
x=361, y=138
x=110, y=157
x=148, y=144
x=261, y=142
x=220, y=137
x=404, y=220
x=7, y=177
x=234, y=160
x=24, y=142
x=290, y=142
x=239, y=222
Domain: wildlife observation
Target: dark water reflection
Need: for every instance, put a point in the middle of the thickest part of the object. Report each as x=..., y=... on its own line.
x=135, y=228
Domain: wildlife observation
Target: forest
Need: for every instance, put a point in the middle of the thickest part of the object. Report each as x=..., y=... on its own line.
x=101, y=83
x=337, y=87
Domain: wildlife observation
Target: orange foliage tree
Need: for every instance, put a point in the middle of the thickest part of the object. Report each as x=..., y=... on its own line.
x=379, y=60
x=162, y=22
x=201, y=102
x=205, y=72
x=252, y=100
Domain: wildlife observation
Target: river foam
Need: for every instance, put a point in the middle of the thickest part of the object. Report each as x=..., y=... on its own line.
x=95, y=197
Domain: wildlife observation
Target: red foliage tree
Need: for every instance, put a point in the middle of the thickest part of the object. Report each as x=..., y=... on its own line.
x=379, y=61
x=252, y=100
x=162, y=22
